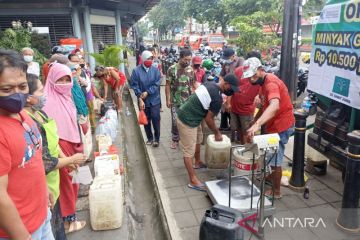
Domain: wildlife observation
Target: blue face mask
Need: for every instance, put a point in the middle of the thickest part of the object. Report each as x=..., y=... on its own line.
x=13, y=103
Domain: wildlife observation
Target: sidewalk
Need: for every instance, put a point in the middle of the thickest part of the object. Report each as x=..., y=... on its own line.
x=184, y=208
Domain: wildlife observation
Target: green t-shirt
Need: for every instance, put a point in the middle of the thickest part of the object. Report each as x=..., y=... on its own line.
x=181, y=81
x=206, y=98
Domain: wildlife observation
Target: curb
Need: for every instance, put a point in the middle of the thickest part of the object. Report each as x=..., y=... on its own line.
x=170, y=227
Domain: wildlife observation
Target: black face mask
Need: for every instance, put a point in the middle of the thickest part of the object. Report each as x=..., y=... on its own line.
x=259, y=81
x=229, y=92
x=82, y=65
x=197, y=66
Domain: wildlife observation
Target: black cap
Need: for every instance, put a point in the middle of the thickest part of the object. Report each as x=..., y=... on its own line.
x=228, y=53
x=233, y=80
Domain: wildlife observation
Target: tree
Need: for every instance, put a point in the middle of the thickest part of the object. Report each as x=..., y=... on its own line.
x=143, y=29
x=110, y=56
x=313, y=7
x=168, y=16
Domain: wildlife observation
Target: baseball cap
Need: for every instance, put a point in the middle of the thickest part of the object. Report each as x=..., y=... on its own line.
x=228, y=53
x=251, y=65
x=146, y=55
x=196, y=60
x=233, y=80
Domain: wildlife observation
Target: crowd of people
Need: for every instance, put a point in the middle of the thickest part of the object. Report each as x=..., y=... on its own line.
x=197, y=90
x=46, y=117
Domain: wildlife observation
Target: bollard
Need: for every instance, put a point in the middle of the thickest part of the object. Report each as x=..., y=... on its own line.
x=297, y=181
x=348, y=219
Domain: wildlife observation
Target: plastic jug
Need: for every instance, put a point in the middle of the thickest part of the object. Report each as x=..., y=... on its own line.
x=106, y=203
x=107, y=165
x=103, y=142
x=244, y=162
x=217, y=154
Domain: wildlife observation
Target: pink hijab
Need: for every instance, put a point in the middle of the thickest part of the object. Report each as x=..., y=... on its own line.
x=59, y=103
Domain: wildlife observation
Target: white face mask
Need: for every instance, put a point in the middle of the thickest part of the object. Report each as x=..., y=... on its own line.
x=28, y=58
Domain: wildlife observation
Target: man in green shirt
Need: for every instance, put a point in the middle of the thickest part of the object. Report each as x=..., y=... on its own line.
x=179, y=86
x=204, y=104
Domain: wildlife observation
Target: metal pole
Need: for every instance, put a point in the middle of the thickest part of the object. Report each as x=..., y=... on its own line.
x=119, y=40
x=348, y=219
x=297, y=181
x=88, y=34
x=76, y=22
x=289, y=48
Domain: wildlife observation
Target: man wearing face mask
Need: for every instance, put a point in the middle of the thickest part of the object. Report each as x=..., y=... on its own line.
x=33, y=67
x=277, y=115
x=24, y=210
x=230, y=63
x=145, y=81
x=199, y=71
x=179, y=85
x=204, y=104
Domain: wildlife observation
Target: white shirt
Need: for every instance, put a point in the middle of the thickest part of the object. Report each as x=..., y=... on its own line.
x=34, y=68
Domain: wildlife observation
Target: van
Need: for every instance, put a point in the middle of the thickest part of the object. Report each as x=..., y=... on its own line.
x=214, y=40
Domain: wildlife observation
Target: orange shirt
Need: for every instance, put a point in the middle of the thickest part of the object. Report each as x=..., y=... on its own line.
x=273, y=88
x=22, y=162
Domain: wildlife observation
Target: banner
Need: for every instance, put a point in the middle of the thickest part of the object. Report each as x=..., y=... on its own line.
x=335, y=58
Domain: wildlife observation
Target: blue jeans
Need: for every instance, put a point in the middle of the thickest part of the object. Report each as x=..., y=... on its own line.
x=44, y=232
x=277, y=160
x=153, y=117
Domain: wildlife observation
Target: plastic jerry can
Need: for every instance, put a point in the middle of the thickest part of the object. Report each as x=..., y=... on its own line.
x=103, y=142
x=220, y=223
x=244, y=162
x=107, y=165
x=106, y=203
x=217, y=154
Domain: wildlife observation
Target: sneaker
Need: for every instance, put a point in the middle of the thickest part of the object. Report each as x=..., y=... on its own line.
x=155, y=144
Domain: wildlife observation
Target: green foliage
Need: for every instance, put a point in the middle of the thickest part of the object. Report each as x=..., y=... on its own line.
x=143, y=29
x=313, y=7
x=18, y=38
x=167, y=16
x=110, y=56
x=41, y=42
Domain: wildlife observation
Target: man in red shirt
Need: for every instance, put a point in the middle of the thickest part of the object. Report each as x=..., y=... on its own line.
x=241, y=106
x=277, y=115
x=199, y=72
x=23, y=193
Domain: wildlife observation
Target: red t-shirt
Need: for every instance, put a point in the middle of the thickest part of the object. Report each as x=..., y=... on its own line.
x=26, y=183
x=113, y=82
x=243, y=102
x=199, y=73
x=272, y=88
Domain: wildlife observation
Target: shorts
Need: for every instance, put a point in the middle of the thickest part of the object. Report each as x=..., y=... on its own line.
x=277, y=159
x=240, y=122
x=189, y=137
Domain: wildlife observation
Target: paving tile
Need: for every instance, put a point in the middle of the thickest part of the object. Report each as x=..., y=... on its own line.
x=169, y=172
x=200, y=202
x=190, y=233
x=175, y=192
x=293, y=202
x=336, y=205
x=180, y=205
x=186, y=219
x=326, y=211
x=164, y=165
x=171, y=182
x=316, y=185
x=191, y=192
x=314, y=200
x=280, y=206
x=178, y=163
x=199, y=214
x=329, y=195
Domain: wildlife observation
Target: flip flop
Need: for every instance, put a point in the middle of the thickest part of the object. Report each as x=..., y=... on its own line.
x=174, y=145
x=149, y=142
x=75, y=226
x=200, y=187
x=156, y=144
x=202, y=166
x=269, y=195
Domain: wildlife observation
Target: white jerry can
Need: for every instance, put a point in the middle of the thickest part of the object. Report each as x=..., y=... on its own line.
x=106, y=203
x=244, y=162
x=107, y=165
x=217, y=154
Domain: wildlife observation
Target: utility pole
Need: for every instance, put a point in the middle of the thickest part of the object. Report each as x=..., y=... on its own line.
x=291, y=33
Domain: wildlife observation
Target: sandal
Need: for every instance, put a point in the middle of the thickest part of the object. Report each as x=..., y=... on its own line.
x=174, y=145
x=201, y=166
x=269, y=195
x=156, y=144
x=75, y=226
x=200, y=187
x=149, y=142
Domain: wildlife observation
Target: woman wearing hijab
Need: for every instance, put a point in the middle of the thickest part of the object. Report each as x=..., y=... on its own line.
x=60, y=107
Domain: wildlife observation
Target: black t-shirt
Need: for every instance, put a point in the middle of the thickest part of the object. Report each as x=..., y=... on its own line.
x=206, y=98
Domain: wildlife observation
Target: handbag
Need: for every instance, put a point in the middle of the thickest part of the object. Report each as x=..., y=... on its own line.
x=142, y=119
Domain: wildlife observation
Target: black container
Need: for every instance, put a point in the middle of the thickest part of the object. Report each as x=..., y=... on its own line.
x=105, y=107
x=221, y=223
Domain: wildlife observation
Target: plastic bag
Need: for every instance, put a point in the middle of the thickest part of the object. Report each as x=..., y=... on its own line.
x=111, y=115
x=142, y=118
x=87, y=141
